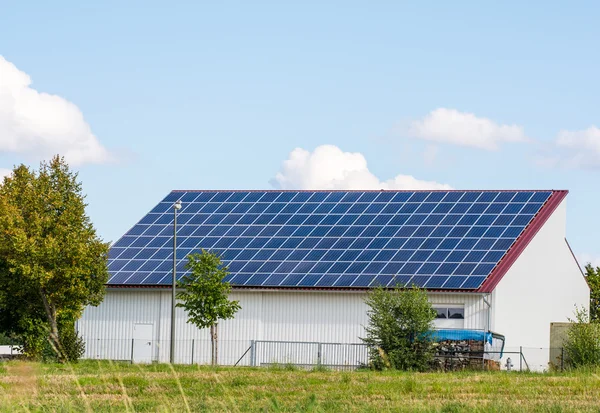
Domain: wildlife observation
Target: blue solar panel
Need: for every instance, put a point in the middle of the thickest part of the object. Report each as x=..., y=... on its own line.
x=435, y=239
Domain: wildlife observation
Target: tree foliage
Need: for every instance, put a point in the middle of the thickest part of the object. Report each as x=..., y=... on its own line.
x=592, y=275
x=582, y=344
x=400, y=321
x=205, y=294
x=52, y=263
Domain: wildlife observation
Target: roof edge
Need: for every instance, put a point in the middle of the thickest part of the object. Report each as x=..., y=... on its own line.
x=364, y=190
x=521, y=243
x=279, y=288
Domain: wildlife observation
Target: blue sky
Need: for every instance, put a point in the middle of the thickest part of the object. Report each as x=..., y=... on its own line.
x=219, y=95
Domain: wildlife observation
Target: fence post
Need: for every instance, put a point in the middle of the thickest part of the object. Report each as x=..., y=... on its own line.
x=192, y=351
x=132, y=340
x=252, y=353
x=562, y=359
x=520, y=358
x=319, y=354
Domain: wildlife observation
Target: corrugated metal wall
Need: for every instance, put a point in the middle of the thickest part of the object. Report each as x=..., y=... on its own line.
x=313, y=316
x=335, y=317
x=108, y=328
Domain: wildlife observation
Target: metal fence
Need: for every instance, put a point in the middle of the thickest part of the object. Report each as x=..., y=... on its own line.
x=231, y=352
x=336, y=356
x=148, y=351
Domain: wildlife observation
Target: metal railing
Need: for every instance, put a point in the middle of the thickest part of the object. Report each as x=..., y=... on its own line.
x=308, y=354
x=334, y=356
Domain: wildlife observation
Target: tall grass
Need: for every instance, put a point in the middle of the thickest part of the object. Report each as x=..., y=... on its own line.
x=101, y=386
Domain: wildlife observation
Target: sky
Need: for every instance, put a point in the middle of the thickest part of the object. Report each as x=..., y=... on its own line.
x=142, y=97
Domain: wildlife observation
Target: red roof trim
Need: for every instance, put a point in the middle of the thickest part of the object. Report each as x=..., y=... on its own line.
x=521, y=243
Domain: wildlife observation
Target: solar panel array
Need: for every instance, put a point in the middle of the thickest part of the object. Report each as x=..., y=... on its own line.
x=432, y=239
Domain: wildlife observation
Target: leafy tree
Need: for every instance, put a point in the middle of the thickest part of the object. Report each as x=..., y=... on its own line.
x=52, y=263
x=6, y=340
x=398, y=331
x=582, y=344
x=592, y=275
x=205, y=295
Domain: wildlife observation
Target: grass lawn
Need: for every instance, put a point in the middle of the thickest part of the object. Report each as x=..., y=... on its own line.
x=104, y=387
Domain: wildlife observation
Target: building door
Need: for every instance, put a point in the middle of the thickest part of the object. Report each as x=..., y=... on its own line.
x=142, y=343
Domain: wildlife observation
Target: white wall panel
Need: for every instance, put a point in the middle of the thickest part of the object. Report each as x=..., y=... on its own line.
x=335, y=317
x=108, y=328
x=541, y=287
x=314, y=316
x=476, y=311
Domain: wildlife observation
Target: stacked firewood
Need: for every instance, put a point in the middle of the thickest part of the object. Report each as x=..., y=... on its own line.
x=452, y=355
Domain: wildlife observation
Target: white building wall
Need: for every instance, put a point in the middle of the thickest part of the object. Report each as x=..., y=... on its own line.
x=325, y=316
x=476, y=310
x=108, y=328
x=542, y=286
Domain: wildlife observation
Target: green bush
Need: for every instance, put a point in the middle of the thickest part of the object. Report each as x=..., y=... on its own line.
x=6, y=340
x=73, y=346
x=400, y=321
x=582, y=345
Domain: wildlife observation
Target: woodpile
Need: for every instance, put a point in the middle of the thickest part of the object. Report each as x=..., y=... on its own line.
x=453, y=355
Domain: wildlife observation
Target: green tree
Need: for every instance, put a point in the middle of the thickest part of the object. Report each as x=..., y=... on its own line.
x=205, y=296
x=52, y=263
x=400, y=321
x=582, y=344
x=592, y=275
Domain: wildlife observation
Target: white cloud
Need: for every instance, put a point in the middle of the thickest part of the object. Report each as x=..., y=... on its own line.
x=465, y=129
x=579, y=148
x=328, y=167
x=41, y=125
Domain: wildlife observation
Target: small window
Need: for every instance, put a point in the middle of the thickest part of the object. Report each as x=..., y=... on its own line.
x=456, y=313
x=453, y=313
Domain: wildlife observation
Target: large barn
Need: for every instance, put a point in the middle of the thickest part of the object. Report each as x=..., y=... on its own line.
x=301, y=263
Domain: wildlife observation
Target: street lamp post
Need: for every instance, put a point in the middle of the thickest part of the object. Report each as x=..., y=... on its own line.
x=176, y=207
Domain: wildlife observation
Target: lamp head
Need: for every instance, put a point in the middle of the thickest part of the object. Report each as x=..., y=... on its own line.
x=177, y=205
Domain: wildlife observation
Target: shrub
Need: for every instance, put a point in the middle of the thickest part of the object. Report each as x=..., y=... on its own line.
x=582, y=345
x=400, y=321
x=6, y=340
x=73, y=346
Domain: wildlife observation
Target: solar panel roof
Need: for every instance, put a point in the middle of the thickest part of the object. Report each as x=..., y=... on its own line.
x=346, y=239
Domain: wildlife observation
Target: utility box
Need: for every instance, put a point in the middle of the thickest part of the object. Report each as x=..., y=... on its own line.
x=558, y=335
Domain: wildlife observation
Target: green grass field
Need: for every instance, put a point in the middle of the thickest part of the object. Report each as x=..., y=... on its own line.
x=104, y=387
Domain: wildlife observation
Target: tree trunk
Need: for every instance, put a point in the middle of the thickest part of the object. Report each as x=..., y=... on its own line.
x=214, y=345
x=53, y=338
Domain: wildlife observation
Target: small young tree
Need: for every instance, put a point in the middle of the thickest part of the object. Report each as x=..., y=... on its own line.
x=52, y=263
x=205, y=295
x=398, y=331
x=592, y=275
x=582, y=345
